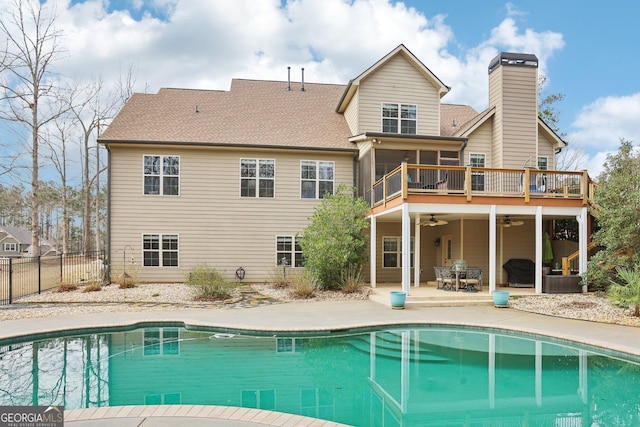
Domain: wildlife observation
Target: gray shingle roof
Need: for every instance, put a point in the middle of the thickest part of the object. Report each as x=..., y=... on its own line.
x=252, y=112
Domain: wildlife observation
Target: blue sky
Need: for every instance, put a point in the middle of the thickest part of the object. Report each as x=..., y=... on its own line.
x=586, y=49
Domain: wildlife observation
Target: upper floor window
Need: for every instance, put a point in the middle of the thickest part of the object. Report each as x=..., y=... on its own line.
x=162, y=175
x=477, y=160
x=9, y=247
x=316, y=179
x=543, y=163
x=160, y=250
x=399, y=118
x=257, y=177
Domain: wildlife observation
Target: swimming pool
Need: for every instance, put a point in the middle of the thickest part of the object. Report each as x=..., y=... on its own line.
x=405, y=376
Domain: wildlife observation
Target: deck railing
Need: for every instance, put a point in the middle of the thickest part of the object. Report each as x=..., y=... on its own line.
x=470, y=181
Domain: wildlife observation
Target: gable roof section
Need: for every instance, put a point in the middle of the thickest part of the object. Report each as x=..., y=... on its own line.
x=22, y=235
x=560, y=143
x=252, y=113
x=351, y=88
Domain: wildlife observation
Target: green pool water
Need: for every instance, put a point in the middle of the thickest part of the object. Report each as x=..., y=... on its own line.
x=415, y=376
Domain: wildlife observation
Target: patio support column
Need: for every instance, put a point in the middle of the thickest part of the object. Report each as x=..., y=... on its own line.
x=416, y=253
x=492, y=249
x=582, y=242
x=538, y=271
x=406, y=249
x=372, y=253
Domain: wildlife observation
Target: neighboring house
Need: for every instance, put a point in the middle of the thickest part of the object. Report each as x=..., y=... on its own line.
x=230, y=178
x=16, y=242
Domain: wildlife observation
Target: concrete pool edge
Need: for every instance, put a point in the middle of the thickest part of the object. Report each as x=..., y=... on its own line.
x=327, y=316
x=180, y=415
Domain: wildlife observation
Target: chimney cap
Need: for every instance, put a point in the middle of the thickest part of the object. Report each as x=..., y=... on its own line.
x=510, y=58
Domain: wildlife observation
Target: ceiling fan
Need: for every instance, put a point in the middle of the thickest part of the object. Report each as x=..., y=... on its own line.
x=432, y=222
x=508, y=222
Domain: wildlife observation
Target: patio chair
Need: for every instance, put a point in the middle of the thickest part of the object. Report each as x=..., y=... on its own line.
x=448, y=278
x=473, y=278
x=439, y=282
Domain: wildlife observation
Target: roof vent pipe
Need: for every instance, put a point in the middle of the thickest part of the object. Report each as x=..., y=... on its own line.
x=288, y=78
x=302, y=79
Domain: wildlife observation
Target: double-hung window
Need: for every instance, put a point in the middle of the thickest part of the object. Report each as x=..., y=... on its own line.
x=477, y=160
x=289, y=251
x=316, y=179
x=162, y=175
x=541, y=178
x=257, y=177
x=9, y=247
x=160, y=250
x=392, y=252
x=399, y=118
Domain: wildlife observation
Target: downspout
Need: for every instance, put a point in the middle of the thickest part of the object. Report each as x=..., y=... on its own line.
x=108, y=212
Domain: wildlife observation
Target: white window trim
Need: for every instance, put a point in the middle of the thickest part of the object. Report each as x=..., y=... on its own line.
x=538, y=162
x=484, y=156
x=398, y=252
x=5, y=247
x=160, y=250
x=161, y=193
x=257, y=178
x=293, y=250
x=399, y=104
x=317, y=179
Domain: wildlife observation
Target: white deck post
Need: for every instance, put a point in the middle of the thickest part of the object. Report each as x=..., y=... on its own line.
x=406, y=249
x=492, y=249
x=372, y=253
x=538, y=276
x=416, y=253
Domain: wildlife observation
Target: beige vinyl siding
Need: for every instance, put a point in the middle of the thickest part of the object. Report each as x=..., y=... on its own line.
x=214, y=224
x=495, y=100
x=517, y=242
x=480, y=142
x=476, y=245
x=351, y=113
x=398, y=81
x=519, y=115
x=545, y=149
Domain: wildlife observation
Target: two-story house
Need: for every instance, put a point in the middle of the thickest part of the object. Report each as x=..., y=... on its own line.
x=230, y=178
x=16, y=242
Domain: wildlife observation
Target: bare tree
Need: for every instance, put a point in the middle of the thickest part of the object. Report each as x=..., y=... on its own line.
x=57, y=142
x=30, y=46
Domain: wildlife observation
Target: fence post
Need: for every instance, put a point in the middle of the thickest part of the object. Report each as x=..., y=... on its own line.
x=10, y=280
x=39, y=274
x=61, y=271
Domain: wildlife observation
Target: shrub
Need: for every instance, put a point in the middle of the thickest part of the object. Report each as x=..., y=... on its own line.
x=336, y=239
x=209, y=284
x=627, y=294
x=302, y=285
x=66, y=287
x=352, y=279
x=125, y=278
x=92, y=287
x=278, y=277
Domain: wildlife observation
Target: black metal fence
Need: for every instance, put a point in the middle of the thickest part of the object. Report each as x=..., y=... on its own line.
x=31, y=275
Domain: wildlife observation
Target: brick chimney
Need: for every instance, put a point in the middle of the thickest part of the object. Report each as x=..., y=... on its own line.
x=513, y=91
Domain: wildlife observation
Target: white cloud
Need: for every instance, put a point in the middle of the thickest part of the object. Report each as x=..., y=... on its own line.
x=205, y=44
x=601, y=124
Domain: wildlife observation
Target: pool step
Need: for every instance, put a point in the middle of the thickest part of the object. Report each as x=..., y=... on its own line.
x=449, y=299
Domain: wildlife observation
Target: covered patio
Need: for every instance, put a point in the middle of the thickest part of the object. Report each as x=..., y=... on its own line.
x=481, y=234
